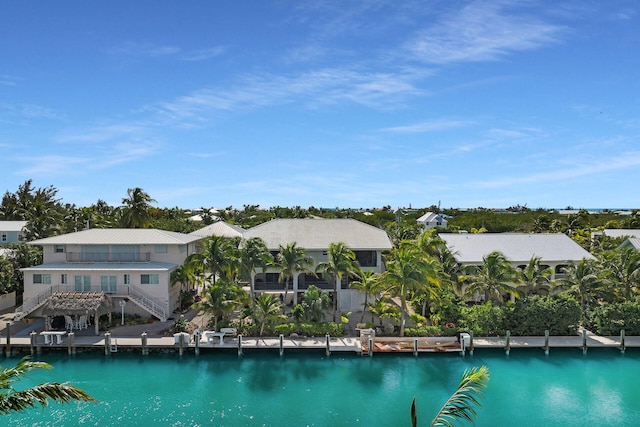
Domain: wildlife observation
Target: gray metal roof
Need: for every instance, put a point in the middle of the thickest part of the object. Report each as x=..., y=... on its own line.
x=317, y=234
x=219, y=228
x=119, y=236
x=621, y=232
x=516, y=247
x=12, y=225
x=100, y=266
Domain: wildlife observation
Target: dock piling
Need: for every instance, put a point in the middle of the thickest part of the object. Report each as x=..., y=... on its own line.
x=328, y=343
x=471, y=342
x=281, y=345
x=507, y=346
x=32, y=341
x=584, y=341
x=70, y=348
x=415, y=346
x=546, y=342
x=8, y=348
x=107, y=343
x=240, y=345
x=145, y=349
x=622, y=347
x=196, y=339
x=370, y=347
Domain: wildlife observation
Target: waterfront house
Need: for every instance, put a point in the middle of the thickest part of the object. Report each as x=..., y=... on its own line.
x=130, y=265
x=554, y=250
x=315, y=235
x=12, y=231
x=432, y=220
x=219, y=228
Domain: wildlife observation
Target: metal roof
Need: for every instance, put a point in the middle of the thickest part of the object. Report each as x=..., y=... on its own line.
x=219, y=228
x=119, y=236
x=101, y=266
x=621, y=232
x=516, y=247
x=318, y=234
x=12, y=225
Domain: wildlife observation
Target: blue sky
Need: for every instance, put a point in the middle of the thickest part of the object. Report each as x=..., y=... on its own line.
x=324, y=103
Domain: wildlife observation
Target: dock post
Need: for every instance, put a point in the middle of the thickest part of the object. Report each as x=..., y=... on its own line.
x=622, y=341
x=415, y=346
x=145, y=349
x=281, y=345
x=70, y=349
x=471, y=342
x=181, y=343
x=32, y=341
x=107, y=343
x=508, y=343
x=546, y=342
x=328, y=341
x=8, y=350
x=196, y=339
x=370, y=347
x=584, y=341
x=240, y=345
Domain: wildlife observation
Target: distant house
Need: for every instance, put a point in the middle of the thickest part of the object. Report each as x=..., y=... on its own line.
x=131, y=265
x=621, y=232
x=432, y=220
x=554, y=250
x=12, y=231
x=219, y=228
x=631, y=242
x=315, y=236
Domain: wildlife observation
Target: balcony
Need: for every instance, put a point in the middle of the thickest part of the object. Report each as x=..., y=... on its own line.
x=108, y=257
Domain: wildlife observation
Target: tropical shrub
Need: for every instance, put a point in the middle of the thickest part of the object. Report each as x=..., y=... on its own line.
x=533, y=315
x=485, y=319
x=611, y=318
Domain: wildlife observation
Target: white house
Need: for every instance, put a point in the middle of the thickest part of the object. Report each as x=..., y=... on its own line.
x=554, y=250
x=12, y=231
x=315, y=236
x=432, y=220
x=621, y=232
x=130, y=265
x=219, y=228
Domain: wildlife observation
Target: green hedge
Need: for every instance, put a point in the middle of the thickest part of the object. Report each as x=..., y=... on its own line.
x=611, y=318
x=302, y=329
x=533, y=315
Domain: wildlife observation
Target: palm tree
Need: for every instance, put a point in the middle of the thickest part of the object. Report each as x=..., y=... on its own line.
x=254, y=254
x=136, y=210
x=408, y=271
x=341, y=261
x=369, y=283
x=383, y=310
x=494, y=277
x=292, y=259
x=266, y=309
x=584, y=281
x=13, y=400
x=220, y=299
x=314, y=303
x=623, y=265
x=535, y=279
x=461, y=405
x=218, y=258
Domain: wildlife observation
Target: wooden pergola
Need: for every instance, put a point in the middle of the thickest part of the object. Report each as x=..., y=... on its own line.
x=78, y=304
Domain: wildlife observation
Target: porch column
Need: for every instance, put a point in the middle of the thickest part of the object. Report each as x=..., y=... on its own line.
x=96, y=320
x=295, y=288
x=336, y=296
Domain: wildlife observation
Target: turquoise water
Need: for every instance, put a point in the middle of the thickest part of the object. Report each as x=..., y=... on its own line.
x=526, y=388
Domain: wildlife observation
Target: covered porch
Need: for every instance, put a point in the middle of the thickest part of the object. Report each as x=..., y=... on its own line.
x=76, y=305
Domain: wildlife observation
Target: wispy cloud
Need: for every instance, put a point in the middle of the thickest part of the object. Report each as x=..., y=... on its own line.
x=481, y=31
x=6, y=80
x=151, y=50
x=53, y=165
x=24, y=113
x=203, y=54
x=430, y=126
x=100, y=134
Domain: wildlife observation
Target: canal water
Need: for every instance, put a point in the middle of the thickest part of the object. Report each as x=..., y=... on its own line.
x=307, y=388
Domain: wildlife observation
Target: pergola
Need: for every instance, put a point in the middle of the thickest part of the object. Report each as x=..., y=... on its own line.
x=78, y=304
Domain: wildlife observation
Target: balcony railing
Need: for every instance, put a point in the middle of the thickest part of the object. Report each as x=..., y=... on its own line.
x=108, y=257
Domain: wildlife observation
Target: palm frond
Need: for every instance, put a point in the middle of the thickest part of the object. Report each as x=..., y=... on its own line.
x=462, y=404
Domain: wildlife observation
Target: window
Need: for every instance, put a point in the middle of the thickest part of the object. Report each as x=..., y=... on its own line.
x=82, y=283
x=161, y=249
x=127, y=279
x=149, y=279
x=367, y=258
x=4, y=237
x=42, y=279
x=63, y=279
x=59, y=249
x=183, y=249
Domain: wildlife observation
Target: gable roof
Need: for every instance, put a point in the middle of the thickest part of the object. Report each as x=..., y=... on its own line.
x=633, y=242
x=119, y=236
x=516, y=247
x=219, y=228
x=620, y=232
x=430, y=217
x=12, y=225
x=318, y=234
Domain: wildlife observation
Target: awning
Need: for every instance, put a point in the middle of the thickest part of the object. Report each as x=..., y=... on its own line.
x=78, y=303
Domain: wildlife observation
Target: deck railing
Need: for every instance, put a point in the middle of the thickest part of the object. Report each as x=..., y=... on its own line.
x=108, y=257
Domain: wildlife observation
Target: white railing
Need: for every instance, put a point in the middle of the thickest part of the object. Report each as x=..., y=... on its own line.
x=136, y=295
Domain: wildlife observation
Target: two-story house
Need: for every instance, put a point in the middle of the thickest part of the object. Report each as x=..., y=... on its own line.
x=130, y=265
x=12, y=231
x=315, y=236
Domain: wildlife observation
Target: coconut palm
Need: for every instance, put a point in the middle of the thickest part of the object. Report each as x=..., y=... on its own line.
x=369, y=283
x=12, y=400
x=534, y=279
x=341, y=262
x=623, y=266
x=495, y=277
x=291, y=259
x=218, y=258
x=585, y=281
x=463, y=402
x=409, y=271
x=254, y=254
x=220, y=299
x=136, y=209
x=266, y=309
x=314, y=303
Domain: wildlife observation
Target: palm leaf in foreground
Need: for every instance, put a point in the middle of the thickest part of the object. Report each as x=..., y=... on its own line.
x=462, y=403
x=12, y=400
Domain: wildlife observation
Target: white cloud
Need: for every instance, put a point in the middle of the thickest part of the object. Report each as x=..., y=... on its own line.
x=431, y=126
